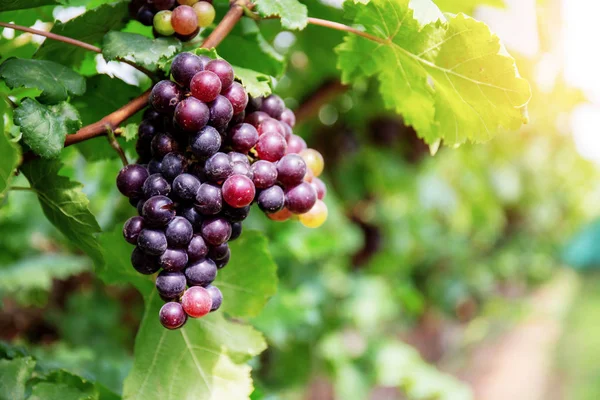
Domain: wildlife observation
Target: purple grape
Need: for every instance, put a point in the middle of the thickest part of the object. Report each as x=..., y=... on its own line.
x=223, y=261
x=237, y=118
x=201, y=273
x=271, y=146
x=237, y=96
x=132, y=229
x=172, y=316
x=160, y=5
x=218, y=252
x=173, y=259
x=241, y=168
x=187, y=38
x=235, y=214
x=301, y=198
x=217, y=167
x=205, y=86
x=156, y=185
x=215, y=231
x=221, y=113
x=209, y=199
x=179, y=232
x=264, y=174
x=291, y=170
x=256, y=118
x=185, y=187
x=192, y=215
x=130, y=180
x=152, y=242
x=145, y=15
x=235, y=157
x=243, y=137
x=158, y=210
x=154, y=166
x=170, y=284
x=288, y=117
x=173, y=164
x=295, y=144
x=216, y=296
x=144, y=263
x=151, y=115
x=271, y=200
x=184, y=67
x=206, y=142
x=165, y=96
x=197, y=249
x=163, y=144
x=223, y=70
x=192, y=115
x=146, y=132
x=271, y=125
x=273, y=105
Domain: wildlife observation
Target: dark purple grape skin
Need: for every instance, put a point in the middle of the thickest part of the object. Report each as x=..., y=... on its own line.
x=140, y=207
x=221, y=113
x=237, y=96
x=191, y=114
x=144, y=263
x=165, y=96
x=254, y=104
x=287, y=130
x=191, y=214
x=151, y=115
x=256, y=118
x=218, y=252
x=188, y=37
x=173, y=164
x=223, y=70
x=209, y=199
x=243, y=137
x=179, y=232
x=163, y=144
x=271, y=146
x=173, y=259
x=237, y=118
x=158, y=210
x=235, y=214
x=197, y=249
x=201, y=273
x=264, y=174
x=185, y=187
x=295, y=144
x=291, y=170
x=301, y=198
x=223, y=261
x=130, y=180
x=241, y=168
x=218, y=167
x=205, y=142
x=216, y=231
x=156, y=185
x=205, y=86
x=154, y=166
x=216, y=296
x=184, y=67
x=132, y=228
x=145, y=15
x=235, y=157
x=273, y=105
x=152, y=242
x=236, y=231
x=172, y=316
x=146, y=132
x=205, y=59
x=271, y=200
x=288, y=117
x=160, y=5
x=271, y=125
x=170, y=284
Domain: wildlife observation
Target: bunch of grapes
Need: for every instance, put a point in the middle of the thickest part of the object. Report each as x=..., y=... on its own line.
x=206, y=153
x=182, y=18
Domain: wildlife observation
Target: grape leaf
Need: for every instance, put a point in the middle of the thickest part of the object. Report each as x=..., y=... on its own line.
x=44, y=128
x=65, y=205
x=451, y=80
x=89, y=27
x=6, y=5
x=56, y=81
x=194, y=362
x=141, y=49
x=293, y=14
x=11, y=155
x=250, y=278
x=13, y=377
x=466, y=6
x=256, y=84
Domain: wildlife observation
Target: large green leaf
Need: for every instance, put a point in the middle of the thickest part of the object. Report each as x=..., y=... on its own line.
x=44, y=128
x=194, y=362
x=6, y=5
x=466, y=6
x=293, y=14
x=450, y=79
x=141, y=49
x=13, y=377
x=65, y=205
x=89, y=27
x=256, y=84
x=9, y=151
x=56, y=81
x=250, y=278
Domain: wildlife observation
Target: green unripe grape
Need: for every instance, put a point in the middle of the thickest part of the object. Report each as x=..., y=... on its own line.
x=205, y=12
x=162, y=23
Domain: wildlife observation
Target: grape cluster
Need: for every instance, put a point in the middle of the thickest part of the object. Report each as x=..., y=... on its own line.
x=182, y=18
x=206, y=153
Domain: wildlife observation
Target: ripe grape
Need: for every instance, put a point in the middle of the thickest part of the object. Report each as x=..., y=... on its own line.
x=291, y=170
x=162, y=23
x=179, y=232
x=173, y=164
x=240, y=168
x=158, y=210
x=206, y=142
x=300, y=198
x=236, y=231
x=173, y=259
x=273, y=105
x=221, y=113
x=184, y=20
x=187, y=38
x=170, y=284
x=237, y=96
x=144, y=263
x=288, y=117
x=156, y=185
x=197, y=249
x=314, y=160
x=238, y=191
x=154, y=166
x=191, y=114
x=233, y=214
x=271, y=125
x=205, y=13
x=132, y=229
x=145, y=15
x=164, y=96
x=243, y=137
x=236, y=157
x=172, y=315
x=315, y=217
x=131, y=180
x=205, y=86
x=271, y=146
x=223, y=261
x=271, y=200
x=185, y=187
x=223, y=70
x=218, y=252
x=201, y=273
x=216, y=231
x=216, y=297
x=160, y=5
x=256, y=118
x=295, y=144
x=184, y=67
x=152, y=242
x=320, y=188
x=196, y=302
x=209, y=199
x=217, y=167
x=192, y=215
x=264, y=174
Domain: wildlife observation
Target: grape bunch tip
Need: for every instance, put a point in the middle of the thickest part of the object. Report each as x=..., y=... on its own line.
x=207, y=152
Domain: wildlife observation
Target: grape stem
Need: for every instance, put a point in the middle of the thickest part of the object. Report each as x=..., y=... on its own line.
x=112, y=140
x=345, y=28
x=77, y=43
